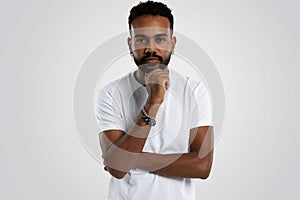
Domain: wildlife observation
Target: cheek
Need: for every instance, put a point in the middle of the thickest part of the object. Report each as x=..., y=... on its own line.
x=138, y=51
x=167, y=53
x=138, y=54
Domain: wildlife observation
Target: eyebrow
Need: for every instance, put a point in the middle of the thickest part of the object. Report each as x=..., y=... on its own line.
x=157, y=35
x=161, y=35
x=139, y=35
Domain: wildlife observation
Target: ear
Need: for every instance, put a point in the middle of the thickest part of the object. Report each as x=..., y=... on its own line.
x=173, y=44
x=129, y=42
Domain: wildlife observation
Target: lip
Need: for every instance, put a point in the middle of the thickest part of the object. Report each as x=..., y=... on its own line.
x=152, y=60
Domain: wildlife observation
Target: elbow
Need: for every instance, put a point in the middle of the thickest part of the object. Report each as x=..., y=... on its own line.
x=114, y=170
x=204, y=175
x=203, y=169
x=114, y=167
x=116, y=173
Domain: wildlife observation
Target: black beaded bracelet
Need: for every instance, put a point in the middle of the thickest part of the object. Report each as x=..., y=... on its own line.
x=148, y=119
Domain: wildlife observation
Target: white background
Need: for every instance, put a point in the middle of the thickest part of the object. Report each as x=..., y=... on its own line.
x=254, y=45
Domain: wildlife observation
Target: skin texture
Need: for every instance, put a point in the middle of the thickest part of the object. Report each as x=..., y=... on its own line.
x=152, y=44
x=151, y=38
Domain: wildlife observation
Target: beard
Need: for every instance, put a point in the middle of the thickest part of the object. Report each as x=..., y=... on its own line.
x=148, y=67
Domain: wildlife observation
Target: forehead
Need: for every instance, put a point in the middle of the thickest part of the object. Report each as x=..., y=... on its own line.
x=150, y=25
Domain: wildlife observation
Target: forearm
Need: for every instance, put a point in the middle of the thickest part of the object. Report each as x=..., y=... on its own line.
x=187, y=165
x=121, y=155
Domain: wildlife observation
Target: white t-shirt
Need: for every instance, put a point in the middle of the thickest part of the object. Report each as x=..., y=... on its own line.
x=186, y=106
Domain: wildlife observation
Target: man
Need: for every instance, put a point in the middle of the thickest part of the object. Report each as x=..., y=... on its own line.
x=155, y=125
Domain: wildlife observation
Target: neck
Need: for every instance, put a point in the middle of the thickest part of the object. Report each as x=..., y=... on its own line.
x=140, y=76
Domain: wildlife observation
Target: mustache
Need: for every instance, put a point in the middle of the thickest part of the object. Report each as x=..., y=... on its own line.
x=153, y=55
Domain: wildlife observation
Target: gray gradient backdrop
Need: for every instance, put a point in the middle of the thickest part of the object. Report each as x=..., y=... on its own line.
x=254, y=45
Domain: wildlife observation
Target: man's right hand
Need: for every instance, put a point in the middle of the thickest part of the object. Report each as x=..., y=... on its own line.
x=157, y=82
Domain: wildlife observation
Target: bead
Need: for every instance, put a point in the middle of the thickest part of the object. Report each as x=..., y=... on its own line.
x=149, y=120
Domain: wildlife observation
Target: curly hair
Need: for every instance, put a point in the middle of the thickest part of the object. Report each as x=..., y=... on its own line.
x=151, y=8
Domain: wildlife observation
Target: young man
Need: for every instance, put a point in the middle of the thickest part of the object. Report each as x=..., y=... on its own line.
x=156, y=125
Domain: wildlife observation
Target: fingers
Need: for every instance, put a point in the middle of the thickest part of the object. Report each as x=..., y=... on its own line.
x=158, y=76
x=167, y=84
x=157, y=82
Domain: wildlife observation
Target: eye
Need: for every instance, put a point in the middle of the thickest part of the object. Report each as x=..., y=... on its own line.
x=160, y=39
x=140, y=41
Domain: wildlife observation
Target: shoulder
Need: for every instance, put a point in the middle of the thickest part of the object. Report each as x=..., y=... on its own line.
x=114, y=86
x=182, y=81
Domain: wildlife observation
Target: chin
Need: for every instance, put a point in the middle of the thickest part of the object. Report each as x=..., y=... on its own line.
x=146, y=68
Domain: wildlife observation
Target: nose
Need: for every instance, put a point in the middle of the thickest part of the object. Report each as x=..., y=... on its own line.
x=150, y=48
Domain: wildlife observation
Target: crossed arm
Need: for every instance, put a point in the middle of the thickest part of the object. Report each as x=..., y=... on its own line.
x=123, y=151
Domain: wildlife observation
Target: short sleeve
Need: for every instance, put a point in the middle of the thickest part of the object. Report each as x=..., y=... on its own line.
x=201, y=107
x=108, y=114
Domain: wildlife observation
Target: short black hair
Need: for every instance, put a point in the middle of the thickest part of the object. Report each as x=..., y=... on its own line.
x=151, y=8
